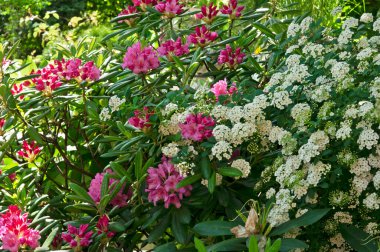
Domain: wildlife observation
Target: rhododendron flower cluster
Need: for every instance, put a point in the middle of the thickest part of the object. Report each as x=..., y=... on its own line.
x=103, y=228
x=29, y=151
x=15, y=232
x=140, y=60
x=208, y=13
x=77, y=237
x=144, y=3
x=220, y=88
x=169, y=8
x=231, y=58
x=202, y=36
x=95, y=190
x=47, y=81
x=18, y=88
x=162, y=182
x=141, y=118
x=171, y=47
x=2, y=122
x=232, y=9
x=127, y=11
x=197, y=127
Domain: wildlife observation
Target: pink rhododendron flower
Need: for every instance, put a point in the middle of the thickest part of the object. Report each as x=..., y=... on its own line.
x=2, y=122
x=89, y=72
x=162, y=182
x=197, y=127
x=57, y=241
x=29, y=151
x=102, y=226
x=73, y=69
x=140, y=60
x=171, y=47
x=17, y=88
x=208, y=13
x=231, y=58
x=77, y=238
x=144, y=3
x=202, y=36
x=141, y=119
x=47, y=81
x=232, y=9
x=15, y=232
x=220, y=88
x=11, y=176
x=169, y=8
x=95, y=189
x=129, y=10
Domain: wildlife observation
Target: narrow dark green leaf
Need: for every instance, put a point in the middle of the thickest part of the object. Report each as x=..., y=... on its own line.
x=214, y=228
x=230, y=172
x=189, y=180
x=359, y=240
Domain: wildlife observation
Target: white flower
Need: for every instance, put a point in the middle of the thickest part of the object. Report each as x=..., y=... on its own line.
x=301, y=112
x=308, y=151
x=241, y=132
x=105, y=114
x=372, y=201
x=376, y=25
x=293, y=60
x=170, y=150
x=281, y=99
x=350, y=23
x=169, y=108
x=291, y=49
x=344, y=131
x=243, y=166
x=368, y=138
x=366, y=18
x=316, y=171
x=340, y=70
x=221, y=133
x=305, y=24
x=221, y=150
x=364, y=54
x=235, y=114
x=345, y=37
x=336, y=11
x=220, y=112
x=376, y=180
x=269, y=194
x=313, y=50
x=115, y=103
x=293, y=29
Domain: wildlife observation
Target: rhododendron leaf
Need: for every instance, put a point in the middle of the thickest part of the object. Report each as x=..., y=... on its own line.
x=154, y=214
x=226, y=41
x=214, y=228
x=50, y=238
x=189, y=180
x=116, y=227
x=358, y=239
x=116, y=187
x=212, y=182
x=230, y=172
x=119, y=169
x=288, y=244
x=234, y=244
x=306, y=219
x=105, y=184
x=275, y=247
x=180, y=230
x=82, y=193
x=12, y=49
x=205, y=166
x=160, y=229
x=264, y=29
x=253, y=245
x=138, y=164
x=199, y=245
x=168, y=247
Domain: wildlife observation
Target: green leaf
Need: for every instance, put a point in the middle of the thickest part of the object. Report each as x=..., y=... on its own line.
x=117, y=227
x=138, y=164
x=168, y=247
x=253, y=246
x=308, y=218
x=205, y=167
x=212, y=183
x=264, y=30
x=234, y=244
x=199, y=245
x=214, y=228
x=34, y=135
x=358, y=239
x=189, y=180
x=160, y=229
x=50, y=238
x=288, y=244
x=179, y=229
x=275, y=246
x=82, y=193
x=230, y=172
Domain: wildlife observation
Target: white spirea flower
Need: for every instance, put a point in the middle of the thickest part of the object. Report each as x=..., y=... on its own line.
x=372, y=228
x=170, y=150
x=281, y=99
x=376, y=180
x=276, y=134
x=305, y=24
x=345, y=37
x=374, y=41
x=313, y=50
x=221, y=133
x=301, y=112
x=269, y=194
x=221, y=150
x=219, y=112
x=308, y=151
x=115, y=103
x=366, y=18
x=293, y=60
x=336, y=11
x=368, y=138
x=235, y=114
x=243, y=166
x=363, y=43
x=291, y=49
x=293, y=29
x=279, y=213
x=376, y=25
x=344, y=131
x=365, y=107
x=105, y=114
x=169, y=108
x=372, y=201
x=297, y=73
x=241, y=132
x=319, y=138
x=344, y=55
x=350, y=23
x=316, y=171
x=340, y=70
x=365, y=54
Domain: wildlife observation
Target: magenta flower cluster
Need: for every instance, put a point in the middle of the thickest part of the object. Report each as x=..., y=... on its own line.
x=230, y=57
x=127, y=11
x=232, y=9
x=15, y=232
x=77, y=237
x=169, y=8
x=162, y=182
x=173, y=48
x=140, y=60
x=141, y=118
x=208, y=13
x=197, y=127
x=221, y=88
x=95, y=189
x=202, y=36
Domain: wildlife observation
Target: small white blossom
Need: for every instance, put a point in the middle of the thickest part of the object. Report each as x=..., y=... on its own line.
x=115, y=103
x=243, y=166
x=105, y=114
x=366, y=18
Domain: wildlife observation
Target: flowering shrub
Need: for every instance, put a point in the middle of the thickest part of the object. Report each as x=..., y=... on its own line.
x=199, y=126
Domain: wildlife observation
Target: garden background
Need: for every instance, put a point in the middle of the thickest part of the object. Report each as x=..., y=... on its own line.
x=184, y=125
